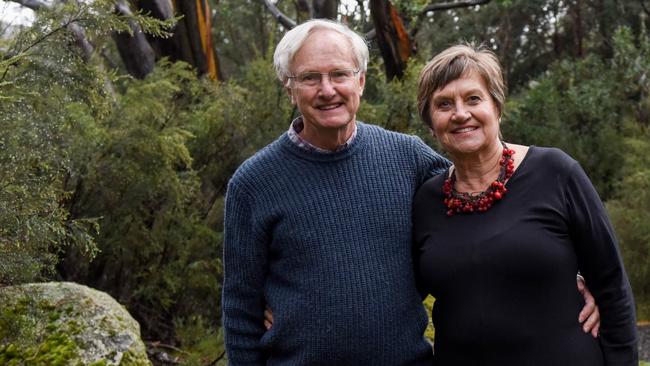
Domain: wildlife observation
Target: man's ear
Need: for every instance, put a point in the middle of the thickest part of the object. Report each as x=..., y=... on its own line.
x=362, y=82
x=290, y=94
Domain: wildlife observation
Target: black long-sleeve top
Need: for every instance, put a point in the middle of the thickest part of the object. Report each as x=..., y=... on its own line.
x=505, y=280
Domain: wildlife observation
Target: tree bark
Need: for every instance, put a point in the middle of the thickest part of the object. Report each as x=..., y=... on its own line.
x=191, y=39
x=392, y=38
x=325, y=9
x=279, y=16
x=135, y=51
x=453, y=5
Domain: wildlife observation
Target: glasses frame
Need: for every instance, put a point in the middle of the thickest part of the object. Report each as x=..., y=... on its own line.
x=295, y=78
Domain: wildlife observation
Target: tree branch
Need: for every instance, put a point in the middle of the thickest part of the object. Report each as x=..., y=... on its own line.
x=281, y=17
x=442, y=6
x=33, y=4
x=645, y=8
x=453, y=5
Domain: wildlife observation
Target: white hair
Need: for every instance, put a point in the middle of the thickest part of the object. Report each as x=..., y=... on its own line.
x=293, y=40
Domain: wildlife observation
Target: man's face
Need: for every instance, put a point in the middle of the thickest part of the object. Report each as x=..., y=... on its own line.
x=328, y=105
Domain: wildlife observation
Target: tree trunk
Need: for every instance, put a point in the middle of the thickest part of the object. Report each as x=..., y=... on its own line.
x=325, y=9
x=135, y=50
x=392, y=38
x=197, y=34
x=191, y=39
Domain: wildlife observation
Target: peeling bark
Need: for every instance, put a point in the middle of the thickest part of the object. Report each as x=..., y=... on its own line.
x=393, y=40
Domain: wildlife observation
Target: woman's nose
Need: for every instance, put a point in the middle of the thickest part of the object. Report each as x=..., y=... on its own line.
x=461, y=113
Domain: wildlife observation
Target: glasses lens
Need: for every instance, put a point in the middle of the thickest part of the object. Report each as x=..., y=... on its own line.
x=341, y=76
x=310, y=78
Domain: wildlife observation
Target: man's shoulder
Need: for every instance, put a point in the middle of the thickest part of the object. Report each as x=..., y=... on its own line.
x=263, y=161
x=384, y=137
x=380, y=131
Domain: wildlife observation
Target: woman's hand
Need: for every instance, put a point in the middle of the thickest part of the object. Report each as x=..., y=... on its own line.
x=589, y=316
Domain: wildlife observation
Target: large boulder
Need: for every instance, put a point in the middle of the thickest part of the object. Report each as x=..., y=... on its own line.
x=63, y=323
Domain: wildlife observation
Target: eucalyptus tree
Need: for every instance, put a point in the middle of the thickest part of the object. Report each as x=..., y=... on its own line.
x=188, y=37
x=390, y=30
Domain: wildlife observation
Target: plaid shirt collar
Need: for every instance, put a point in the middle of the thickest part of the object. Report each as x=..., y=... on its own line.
x=297, y=126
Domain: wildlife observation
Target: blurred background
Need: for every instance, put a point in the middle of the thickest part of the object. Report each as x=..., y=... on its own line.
x=122, y=122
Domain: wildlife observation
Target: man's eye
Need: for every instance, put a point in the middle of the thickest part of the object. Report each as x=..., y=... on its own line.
x=340, y=74
x=309, y=77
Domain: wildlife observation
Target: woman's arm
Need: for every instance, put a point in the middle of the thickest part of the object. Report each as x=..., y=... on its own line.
x=600, y=262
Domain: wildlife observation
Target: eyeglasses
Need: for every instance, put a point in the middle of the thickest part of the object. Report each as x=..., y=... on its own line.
x=336, y=77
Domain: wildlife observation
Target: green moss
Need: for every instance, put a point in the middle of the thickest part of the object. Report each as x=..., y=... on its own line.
x=56, y=350
x=37, y=333
x=131, y=358
x=46, y=305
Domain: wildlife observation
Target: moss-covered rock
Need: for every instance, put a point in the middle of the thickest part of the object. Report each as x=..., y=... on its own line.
x=63, y=323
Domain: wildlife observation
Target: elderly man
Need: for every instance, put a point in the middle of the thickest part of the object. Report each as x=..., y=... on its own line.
x=318, y=223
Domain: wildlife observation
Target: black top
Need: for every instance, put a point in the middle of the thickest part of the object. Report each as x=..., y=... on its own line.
x=505, y=280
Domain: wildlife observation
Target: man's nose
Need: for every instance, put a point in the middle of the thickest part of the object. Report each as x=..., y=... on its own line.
x=326, y=88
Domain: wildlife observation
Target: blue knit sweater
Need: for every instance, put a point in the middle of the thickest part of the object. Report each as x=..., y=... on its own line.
x=325, y=241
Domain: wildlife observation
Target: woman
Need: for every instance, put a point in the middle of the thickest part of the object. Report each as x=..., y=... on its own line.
x=500, y=236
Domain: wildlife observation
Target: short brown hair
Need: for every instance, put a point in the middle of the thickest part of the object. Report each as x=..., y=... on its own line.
x=450, y=65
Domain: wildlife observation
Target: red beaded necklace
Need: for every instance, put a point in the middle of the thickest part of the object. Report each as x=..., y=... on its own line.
x=463, y=202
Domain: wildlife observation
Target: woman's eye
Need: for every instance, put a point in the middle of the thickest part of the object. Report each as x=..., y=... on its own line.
x=474, y=99
x=444, y=104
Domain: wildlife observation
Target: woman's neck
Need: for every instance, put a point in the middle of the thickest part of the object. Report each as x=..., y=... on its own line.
x=475, y=172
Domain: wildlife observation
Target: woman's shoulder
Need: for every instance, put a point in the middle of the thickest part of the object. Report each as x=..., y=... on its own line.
x=549, y=157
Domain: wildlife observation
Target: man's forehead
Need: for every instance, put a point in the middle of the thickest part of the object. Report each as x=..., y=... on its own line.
x=324, y=50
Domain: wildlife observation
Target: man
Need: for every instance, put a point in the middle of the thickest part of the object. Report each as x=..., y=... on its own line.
x=318, y=223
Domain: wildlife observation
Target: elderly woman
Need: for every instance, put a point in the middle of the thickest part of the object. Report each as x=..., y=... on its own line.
x=500, y=235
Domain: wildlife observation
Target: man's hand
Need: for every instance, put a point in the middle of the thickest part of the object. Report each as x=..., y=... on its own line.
x=589, y=316
x=268, y=316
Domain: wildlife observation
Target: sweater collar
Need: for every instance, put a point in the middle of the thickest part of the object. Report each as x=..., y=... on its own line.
x=344, y=152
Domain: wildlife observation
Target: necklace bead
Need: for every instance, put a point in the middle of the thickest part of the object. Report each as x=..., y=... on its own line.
x=462, y=202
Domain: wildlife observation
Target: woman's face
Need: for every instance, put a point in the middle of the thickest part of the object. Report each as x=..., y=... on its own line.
x=465, y=119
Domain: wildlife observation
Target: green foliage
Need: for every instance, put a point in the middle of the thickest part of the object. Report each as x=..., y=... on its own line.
x=202, y=343
x=33, y=155
x=429, y=333
x=133, y=172
x=42, y=74
x=391, y=104
x=630, y=213
x=574, y=106
x=630, y=209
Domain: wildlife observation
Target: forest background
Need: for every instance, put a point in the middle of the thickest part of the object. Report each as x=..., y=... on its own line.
x=123, y=121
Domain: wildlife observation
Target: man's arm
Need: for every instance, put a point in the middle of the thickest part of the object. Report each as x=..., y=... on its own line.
x=245, y=266
x=430, y=163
